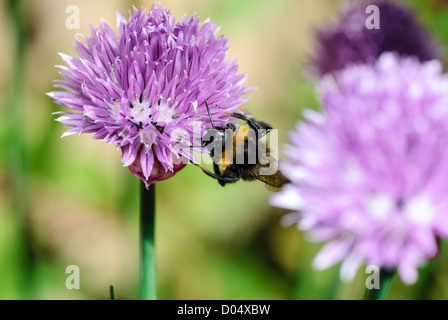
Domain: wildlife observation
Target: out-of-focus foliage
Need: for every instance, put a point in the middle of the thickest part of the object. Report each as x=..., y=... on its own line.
x=82, y=205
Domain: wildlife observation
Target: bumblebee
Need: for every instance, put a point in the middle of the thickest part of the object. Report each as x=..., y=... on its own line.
x=238, y=152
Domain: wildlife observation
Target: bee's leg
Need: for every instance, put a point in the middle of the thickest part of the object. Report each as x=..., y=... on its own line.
x=265, y=126
x=216, y=168
x=255, y=125
x=192, y=146
x=244, y=111
x=239, y=116
x=221, y=179
x=230, y=175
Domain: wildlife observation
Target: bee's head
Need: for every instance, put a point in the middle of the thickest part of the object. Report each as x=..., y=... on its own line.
x=218, y=134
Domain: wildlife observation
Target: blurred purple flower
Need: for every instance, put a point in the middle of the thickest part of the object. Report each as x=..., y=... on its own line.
x=370, y=174
x=349, y=40
x=146, y=87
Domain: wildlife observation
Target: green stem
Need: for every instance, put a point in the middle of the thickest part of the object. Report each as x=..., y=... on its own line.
x=386, y=277
x=112, y=292
x=148, y=279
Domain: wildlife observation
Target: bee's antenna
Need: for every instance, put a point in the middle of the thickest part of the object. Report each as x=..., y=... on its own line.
x=209, y=114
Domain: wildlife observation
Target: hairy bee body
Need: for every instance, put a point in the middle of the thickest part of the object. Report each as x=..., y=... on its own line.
x=239, y=153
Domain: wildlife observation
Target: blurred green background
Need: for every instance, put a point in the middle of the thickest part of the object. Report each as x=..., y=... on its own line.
x=70, y=201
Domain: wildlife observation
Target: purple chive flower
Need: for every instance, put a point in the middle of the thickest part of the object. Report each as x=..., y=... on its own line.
x=349, y=40
x=146, y=87
x=370, y=174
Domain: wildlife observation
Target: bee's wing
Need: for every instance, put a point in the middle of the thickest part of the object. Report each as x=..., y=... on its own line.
x=274, y=180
